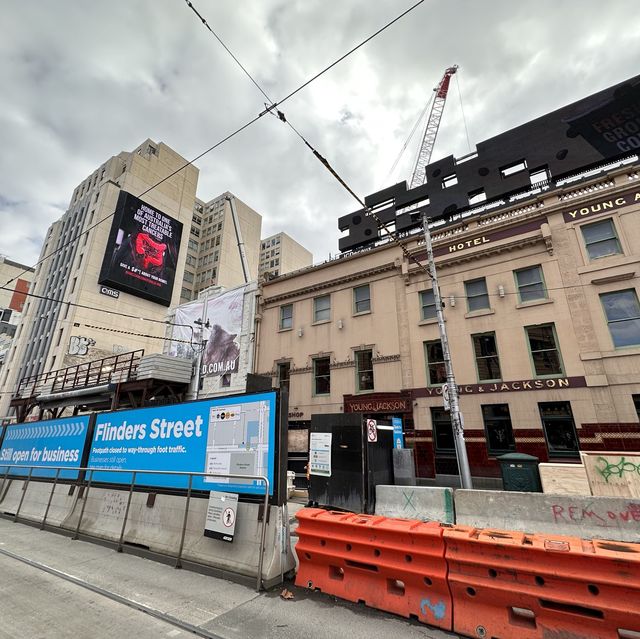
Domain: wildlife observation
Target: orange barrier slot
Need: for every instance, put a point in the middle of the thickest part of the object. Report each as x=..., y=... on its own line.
x=396, y=565
x=509, y=584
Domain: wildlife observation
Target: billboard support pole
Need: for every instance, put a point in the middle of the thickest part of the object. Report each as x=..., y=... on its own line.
x=456, y=416
x=24, y=493
x=184, y=523
x=53, y=489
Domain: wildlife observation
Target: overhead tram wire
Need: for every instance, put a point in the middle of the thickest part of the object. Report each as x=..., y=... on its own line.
x=230, y=135
x=281, y=116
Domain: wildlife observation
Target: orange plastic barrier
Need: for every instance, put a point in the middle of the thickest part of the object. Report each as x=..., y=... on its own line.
x=395, y=565
x=509, y=584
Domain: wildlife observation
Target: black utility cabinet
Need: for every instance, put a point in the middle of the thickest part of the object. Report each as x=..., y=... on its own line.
x=357, y=465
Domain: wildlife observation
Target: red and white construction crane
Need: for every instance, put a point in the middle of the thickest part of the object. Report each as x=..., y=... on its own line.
x=431, y=128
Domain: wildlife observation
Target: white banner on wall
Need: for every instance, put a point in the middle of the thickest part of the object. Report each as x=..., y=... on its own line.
x=222, y=350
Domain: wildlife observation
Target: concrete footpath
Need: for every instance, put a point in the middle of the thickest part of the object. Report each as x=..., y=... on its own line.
x=103, y=587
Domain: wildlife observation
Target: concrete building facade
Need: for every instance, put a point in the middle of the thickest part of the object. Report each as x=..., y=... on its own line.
x=542, y=314
x=74, y=319
x=281, y=254
x=213, y=256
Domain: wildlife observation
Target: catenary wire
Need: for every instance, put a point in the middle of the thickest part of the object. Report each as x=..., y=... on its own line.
x=232, y=134
x=281, y=116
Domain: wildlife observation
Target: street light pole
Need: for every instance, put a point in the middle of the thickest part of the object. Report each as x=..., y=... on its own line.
x=454, y=403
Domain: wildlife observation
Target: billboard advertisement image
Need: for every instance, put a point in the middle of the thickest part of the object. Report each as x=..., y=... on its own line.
x=227, y=435
x=221, y=353
x=141, y=256
x=57, y=442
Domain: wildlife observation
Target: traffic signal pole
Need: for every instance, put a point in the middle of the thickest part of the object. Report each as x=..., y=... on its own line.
x=454, y=403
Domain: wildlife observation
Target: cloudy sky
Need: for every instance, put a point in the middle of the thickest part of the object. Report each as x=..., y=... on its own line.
x=82, y=81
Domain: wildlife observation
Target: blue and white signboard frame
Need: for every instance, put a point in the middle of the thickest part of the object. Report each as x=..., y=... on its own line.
x=55, y=442
x=398, y=435
x=235, y=435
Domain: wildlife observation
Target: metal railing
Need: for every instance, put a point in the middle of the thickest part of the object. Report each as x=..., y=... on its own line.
x=134, y=475
x=115, y=368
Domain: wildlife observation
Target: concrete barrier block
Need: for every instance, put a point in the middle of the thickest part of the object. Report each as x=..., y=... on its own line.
x=426, y=503
x=589, y=517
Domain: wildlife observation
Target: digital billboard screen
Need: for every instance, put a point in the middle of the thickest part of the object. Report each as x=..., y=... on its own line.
x=141, y=256
x=56, y=442
x=226, y=435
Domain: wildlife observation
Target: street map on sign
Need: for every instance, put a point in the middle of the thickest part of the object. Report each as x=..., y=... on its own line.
x=238, y=441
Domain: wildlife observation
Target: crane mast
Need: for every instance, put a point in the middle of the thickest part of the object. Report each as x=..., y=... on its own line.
x=431, y=129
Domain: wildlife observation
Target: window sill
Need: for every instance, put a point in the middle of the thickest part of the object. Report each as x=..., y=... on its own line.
x=535, y=303
x=479, y=313
x=362, y=313
x=426, y=322
x=284, y=330
x=327, y=321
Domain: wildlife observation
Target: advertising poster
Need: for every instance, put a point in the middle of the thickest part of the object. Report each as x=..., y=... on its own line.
x=142, y=251
x=233, y=435
x=57, y=442
x=222, y=350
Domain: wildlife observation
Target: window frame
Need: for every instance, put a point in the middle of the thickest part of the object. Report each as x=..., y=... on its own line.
x=360, y=371
x=634, y=292
x=449, y=452
x=282, y=318
x=545, y=295
x=495, y=452
x=615, y=237
x=316, y=360
x=470, y=297
x=284, y=382
x=475, y=356
x=421, y=295
x=426, y=344
x=559, y=453
x=557, y=348
x=367, y=300
x=316, y=320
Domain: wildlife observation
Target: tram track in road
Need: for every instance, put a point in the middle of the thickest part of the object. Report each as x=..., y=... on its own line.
x=130, y=603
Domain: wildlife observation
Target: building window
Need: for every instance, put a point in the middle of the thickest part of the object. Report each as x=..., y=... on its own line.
x=321, y=376
x=364, y=370
x=477, y=295
x=600, y=239
x=188, y=276
x=636, y=404
x=362, y=299
x=427, y=305
x=286, y=317
x=543, y=347
x=193, y=245
x=623, y=317
x=486, y=354
x=443, y=441
x=436, y=372
x=284, y=369
x=5, y=315
x=185, y=293
x=559, y=429
x=322, y=308
x=226, y=380
x=498, y=429
x=530, y=284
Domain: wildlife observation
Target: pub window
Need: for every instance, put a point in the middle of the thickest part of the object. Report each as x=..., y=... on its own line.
x=427, y=305
x=477, y=295
x=322, y=308
x=284, y=369
x=543, y=346
x=364, y=370
x=486, y=353
x=559, y=429
x=443, y=441
x=361, y=299
x=636, y=404
x=286, y=317
x=434, y=356
x=600, y=239
x=498, y=429
x=321, y=376
x=623, y=317
x=530, y=283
